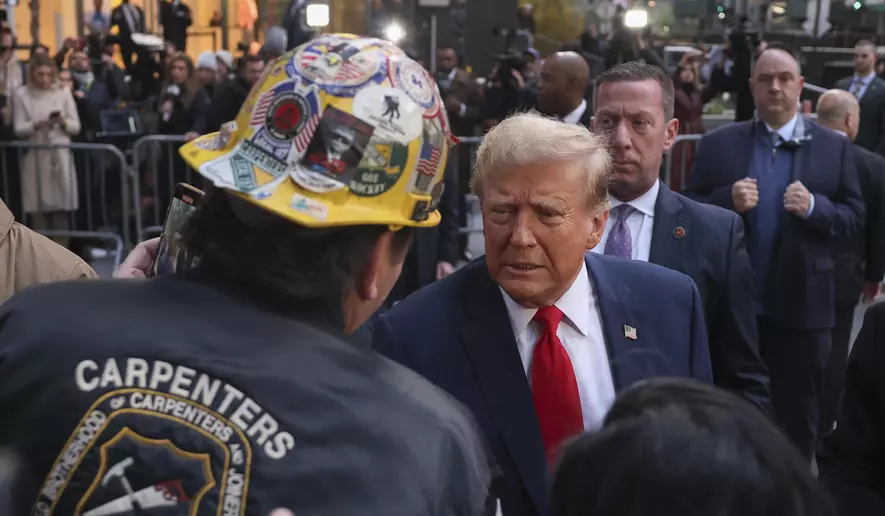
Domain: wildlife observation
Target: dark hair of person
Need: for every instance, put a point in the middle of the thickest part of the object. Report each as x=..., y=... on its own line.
x=637, y=71
x=247, y=59
x=304, y=269
x=682, y=448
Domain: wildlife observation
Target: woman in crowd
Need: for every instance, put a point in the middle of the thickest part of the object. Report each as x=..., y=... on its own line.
x=182, y=101
x=182, y=108
x=682, y=448
x=688, y=108
x=45, y=114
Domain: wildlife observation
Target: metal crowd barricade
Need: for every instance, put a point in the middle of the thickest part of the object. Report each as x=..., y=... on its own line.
x=472, y=217
x=678, y=160
x=98, y=187
x=156, y=169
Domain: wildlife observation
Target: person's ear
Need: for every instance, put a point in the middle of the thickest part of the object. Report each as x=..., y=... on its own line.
x=597, y=229
x=367, y=288
x=670, y=133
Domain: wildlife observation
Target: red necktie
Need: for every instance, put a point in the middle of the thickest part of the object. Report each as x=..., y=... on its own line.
x=554, y=387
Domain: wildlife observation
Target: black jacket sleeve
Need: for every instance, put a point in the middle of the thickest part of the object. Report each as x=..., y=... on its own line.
x=702, y=183
x=880, y=127
x=874, y=252
x=851, y=459
x=447, y=249
x=843, y=214
x=734, y=340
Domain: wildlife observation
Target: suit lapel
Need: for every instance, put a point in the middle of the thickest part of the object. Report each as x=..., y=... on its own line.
x=871, y=93
x=613, y=299
x=802, y=154
x=668, y=231
x=488, y=339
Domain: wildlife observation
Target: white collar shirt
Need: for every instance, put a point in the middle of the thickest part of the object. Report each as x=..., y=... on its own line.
x=581, y=334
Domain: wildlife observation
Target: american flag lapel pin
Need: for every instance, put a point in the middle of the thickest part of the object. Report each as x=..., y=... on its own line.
x=629, y=332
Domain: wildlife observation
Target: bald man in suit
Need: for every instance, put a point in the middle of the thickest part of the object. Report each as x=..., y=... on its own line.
x=860, y=261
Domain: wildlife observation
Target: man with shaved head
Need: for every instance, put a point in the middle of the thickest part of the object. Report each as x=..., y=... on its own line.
x=795, y=185
x=564, y=79
x=870, y=92
x=860, y=262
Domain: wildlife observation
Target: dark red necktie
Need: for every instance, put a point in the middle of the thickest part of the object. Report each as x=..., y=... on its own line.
x=554, y=386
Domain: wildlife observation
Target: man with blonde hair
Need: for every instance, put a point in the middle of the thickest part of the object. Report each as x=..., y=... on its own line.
x=538, y=336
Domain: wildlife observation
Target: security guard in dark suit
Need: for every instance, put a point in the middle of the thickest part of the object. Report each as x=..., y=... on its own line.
x=860, y=260
x=870, y=92
x=237, y=386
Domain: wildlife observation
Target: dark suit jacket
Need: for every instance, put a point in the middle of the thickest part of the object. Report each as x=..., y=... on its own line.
x=871, y=133
x=862, y=258
x=118, y=19
x=851, y=458
x=466, y=90
x=175, y=19
x=800, y=291
x=707, y=243
x=432, y=245
x=457, y=334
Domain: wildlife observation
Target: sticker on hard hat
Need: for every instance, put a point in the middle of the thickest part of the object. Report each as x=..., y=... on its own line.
x=339, y=66
x=380, y=169
x=395, y=116
x=286, y=118
x=429, y=158
x=335, y=151
x=314, y=181
x=219, y=140
x=310, y=207
x=249, y=169
x=413, y=79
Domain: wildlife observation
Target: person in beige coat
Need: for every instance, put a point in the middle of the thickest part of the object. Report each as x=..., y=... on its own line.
x=28, y=258
x=46, y=114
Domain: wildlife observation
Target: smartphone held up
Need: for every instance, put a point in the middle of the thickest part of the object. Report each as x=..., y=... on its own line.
x=172, y=257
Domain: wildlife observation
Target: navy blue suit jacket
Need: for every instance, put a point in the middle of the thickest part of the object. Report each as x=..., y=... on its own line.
x=707, y=244
x=799, y=290
x=457, y=334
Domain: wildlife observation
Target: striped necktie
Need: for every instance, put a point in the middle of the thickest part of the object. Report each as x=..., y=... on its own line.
x=856, y=87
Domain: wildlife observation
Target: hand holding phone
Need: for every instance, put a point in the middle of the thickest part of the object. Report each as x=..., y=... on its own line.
x=140, y=262
x=56, y=119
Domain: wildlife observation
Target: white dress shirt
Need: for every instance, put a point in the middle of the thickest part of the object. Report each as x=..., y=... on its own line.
x=786, y=131
x=581, y=334
x=641, y=222
x=575, y=116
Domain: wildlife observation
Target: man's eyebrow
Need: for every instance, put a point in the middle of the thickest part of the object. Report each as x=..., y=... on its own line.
x=500, y=199
x=553, y=202
x=607, y=111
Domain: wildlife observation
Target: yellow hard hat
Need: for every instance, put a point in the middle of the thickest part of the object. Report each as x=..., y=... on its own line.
x=341, y=131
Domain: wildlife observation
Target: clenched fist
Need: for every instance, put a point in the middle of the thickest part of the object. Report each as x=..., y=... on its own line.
x=797, y=199
x=745, y=194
